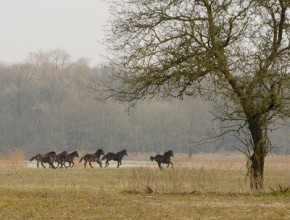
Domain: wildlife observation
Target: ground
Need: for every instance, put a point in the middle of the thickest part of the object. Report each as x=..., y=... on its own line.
x=202, y=187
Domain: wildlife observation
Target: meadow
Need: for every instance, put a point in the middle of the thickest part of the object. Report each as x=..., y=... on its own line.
x=202, y=187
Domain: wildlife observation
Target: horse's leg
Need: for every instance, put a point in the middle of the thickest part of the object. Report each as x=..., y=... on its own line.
x=85, y=164
x=160, y=167
x=90, y=163
x=65, y=165
x=171, y=164
x=72, y=164
x=107, y=163
x=38, y=164
x=119, y=164
x=51, y=164
x=42, y=165
x=100, y=163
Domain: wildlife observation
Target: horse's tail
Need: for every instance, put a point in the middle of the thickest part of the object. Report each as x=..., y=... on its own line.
x=33, y=158
x=81, y=159
x=152, y=158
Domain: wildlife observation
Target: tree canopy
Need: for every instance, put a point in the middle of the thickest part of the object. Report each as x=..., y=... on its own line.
x=234, y=53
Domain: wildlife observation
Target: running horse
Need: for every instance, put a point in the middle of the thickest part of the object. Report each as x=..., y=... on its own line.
x=45, y=158
x=59, y=158
x=65, y=157
x=165, y=158
x=95, y=157
x=115, y=156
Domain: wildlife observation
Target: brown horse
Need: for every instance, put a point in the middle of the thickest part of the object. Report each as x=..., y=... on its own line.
x=165, y=158
x=93, y=158
x=45, y=158
x=65, y=157
x=59, y=158
x=115, y=156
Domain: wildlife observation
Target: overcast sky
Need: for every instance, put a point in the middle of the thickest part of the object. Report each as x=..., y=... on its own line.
x=76, y=26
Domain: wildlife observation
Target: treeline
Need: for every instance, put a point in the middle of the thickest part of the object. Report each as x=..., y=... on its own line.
x=47, y=104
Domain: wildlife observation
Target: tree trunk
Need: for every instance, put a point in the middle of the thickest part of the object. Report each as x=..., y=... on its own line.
x=258, y=156
x=257, y=171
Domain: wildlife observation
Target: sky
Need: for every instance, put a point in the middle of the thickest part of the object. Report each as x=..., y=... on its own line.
x=76, y=26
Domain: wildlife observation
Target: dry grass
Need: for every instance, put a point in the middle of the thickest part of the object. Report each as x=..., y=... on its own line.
x=12, y=159
x=203, y=187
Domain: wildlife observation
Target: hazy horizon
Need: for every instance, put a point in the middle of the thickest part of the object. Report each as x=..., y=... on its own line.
x=32, y=25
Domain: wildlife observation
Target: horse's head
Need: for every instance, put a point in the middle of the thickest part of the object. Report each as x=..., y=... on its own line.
x=124, y=152
x=100, y=152
x=169, y=153
x=75, y=153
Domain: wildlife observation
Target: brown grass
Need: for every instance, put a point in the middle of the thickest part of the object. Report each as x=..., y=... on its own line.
x=203, y=187
x=12, y=159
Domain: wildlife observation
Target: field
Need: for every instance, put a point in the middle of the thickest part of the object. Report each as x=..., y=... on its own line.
x=202, y=187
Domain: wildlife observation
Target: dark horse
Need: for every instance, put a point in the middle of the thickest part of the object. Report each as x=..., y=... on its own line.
x=64, y=157
x=60, y=157
x=115, y=156
x=165, y=158
x=93, y=158
x=45, y=158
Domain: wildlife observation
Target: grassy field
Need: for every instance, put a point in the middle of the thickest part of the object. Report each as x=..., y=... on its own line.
x=203, y=187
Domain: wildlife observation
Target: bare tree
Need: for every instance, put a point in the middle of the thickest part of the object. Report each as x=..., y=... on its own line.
x=233, y=52
x=50, y=67
x=16, y=98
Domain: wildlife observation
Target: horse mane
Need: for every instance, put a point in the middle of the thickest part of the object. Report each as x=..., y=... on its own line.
x=123, y=151
x=51, y=152
x=99, y=150
x=64, y=152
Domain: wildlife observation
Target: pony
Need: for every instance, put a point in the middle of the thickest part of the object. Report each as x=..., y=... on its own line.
x=95, y=157
x=165, y=158
x=115, y=156
x=65, y=157
x=45, y=158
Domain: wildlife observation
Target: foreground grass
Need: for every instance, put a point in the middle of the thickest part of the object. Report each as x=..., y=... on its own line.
x=185, y=192
x=67, y=204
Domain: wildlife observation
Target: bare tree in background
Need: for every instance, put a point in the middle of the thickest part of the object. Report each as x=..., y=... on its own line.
x=233, y=52
x=16, y=97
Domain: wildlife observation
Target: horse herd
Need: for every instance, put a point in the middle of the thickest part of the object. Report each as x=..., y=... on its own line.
x=64, y=157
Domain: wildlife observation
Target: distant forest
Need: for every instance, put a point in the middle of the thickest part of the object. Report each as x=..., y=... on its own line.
x=47, y=103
